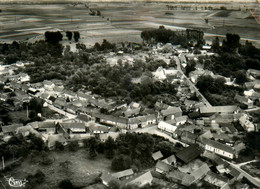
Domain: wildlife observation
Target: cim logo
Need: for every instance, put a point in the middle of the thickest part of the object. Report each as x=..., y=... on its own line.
x=17, y=183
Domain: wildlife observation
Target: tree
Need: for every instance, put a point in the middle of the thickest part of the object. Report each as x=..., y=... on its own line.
x=66, y=184
x=76, y=36
x=92, y=153
x=109, y=147
x=215, y=45
x=231, y=43
x=190, y=67
x=121, y=162
x=32, y=114
x=165, y=147
x=53, y=37
x=73, y=146
x=114, y=184
x=69, y=35
x=65, y=164
x=59, y=146
x=240, y=77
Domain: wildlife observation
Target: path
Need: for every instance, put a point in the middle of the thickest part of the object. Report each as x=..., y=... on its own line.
x=153, y=130
x=205, y=101
x=254, y=180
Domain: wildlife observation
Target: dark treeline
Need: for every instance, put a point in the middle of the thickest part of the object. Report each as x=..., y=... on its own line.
x=163, y=35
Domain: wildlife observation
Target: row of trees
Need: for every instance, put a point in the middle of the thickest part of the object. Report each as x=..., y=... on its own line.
x=56, y=37
x=163, y=35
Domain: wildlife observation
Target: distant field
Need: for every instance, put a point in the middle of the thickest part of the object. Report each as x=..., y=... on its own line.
x=119, y=21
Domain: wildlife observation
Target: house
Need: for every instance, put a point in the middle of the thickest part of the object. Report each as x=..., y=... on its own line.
x=244, y=100
x=123, y=174
x=46, y=126
x=10, y=129
x=83, y=118
x=132, y=112
x=200, y=172
x=219, y=148
x=215, y=179
x=162, y=167
x=166, y=127
x=133, y=105
x=190, y=153
x=3, y=97
x=171, y=113
x=207, y=110
x=157, y=155
x=48, y=85
x=111, y=120
x=181, y=178
x=170, y=160
x=106, y=178
x=74, y=127
x=246, y=124
x=142, y=180
x=104, y=136
x=98, y=129
x=186, y=136
x=181, y=120
x=26, y=130
x=60, y=103
x=52, y=139
x=254, y=73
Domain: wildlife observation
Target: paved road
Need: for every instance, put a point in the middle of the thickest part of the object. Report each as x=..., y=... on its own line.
x=70, y=116
x=153, y=130
x=204, y=100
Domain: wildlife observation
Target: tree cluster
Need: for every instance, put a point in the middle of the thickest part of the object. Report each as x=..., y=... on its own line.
x=163, y=35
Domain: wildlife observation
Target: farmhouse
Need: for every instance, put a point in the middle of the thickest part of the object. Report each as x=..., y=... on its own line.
x=166, y=127
x=123, y=174
x=142, y=180
x=206, y=110
x=219, y=148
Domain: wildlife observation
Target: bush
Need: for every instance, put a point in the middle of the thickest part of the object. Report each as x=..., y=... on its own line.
x=73, y=146
x=66, y=184
x=59, y=146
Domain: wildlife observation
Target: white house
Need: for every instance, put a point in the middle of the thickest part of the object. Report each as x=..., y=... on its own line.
x=166, y=127
x=219, y=148
x=248, y=125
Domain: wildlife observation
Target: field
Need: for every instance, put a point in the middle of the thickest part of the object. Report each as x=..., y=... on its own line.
x=121, y=21
x=81, y=171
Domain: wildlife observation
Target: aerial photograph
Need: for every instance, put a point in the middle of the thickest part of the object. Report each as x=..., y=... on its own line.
x=117, y=94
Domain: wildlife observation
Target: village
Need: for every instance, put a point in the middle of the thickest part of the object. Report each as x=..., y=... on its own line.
x=212, y=133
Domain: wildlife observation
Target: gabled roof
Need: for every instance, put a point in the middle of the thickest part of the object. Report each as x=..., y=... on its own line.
x=201, y=172
x=143, y=179
x=190, y=153
x=99, y=128
x=171, y=111
x=182, y=118
x=165, y=167
x=11, y=128
x=157, y=155
x=219, y=145
x=218, y=109
x=125, y=173
x=73, y=125
x=46, y=124
x=107, y=177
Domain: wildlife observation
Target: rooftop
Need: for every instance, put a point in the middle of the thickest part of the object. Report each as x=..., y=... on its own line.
x=190, y=153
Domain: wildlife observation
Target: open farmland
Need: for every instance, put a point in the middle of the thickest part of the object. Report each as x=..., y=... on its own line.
x=121, y=21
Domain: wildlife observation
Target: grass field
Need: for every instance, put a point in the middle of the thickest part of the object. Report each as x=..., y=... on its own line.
x=119, y=21
x=81, y=171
